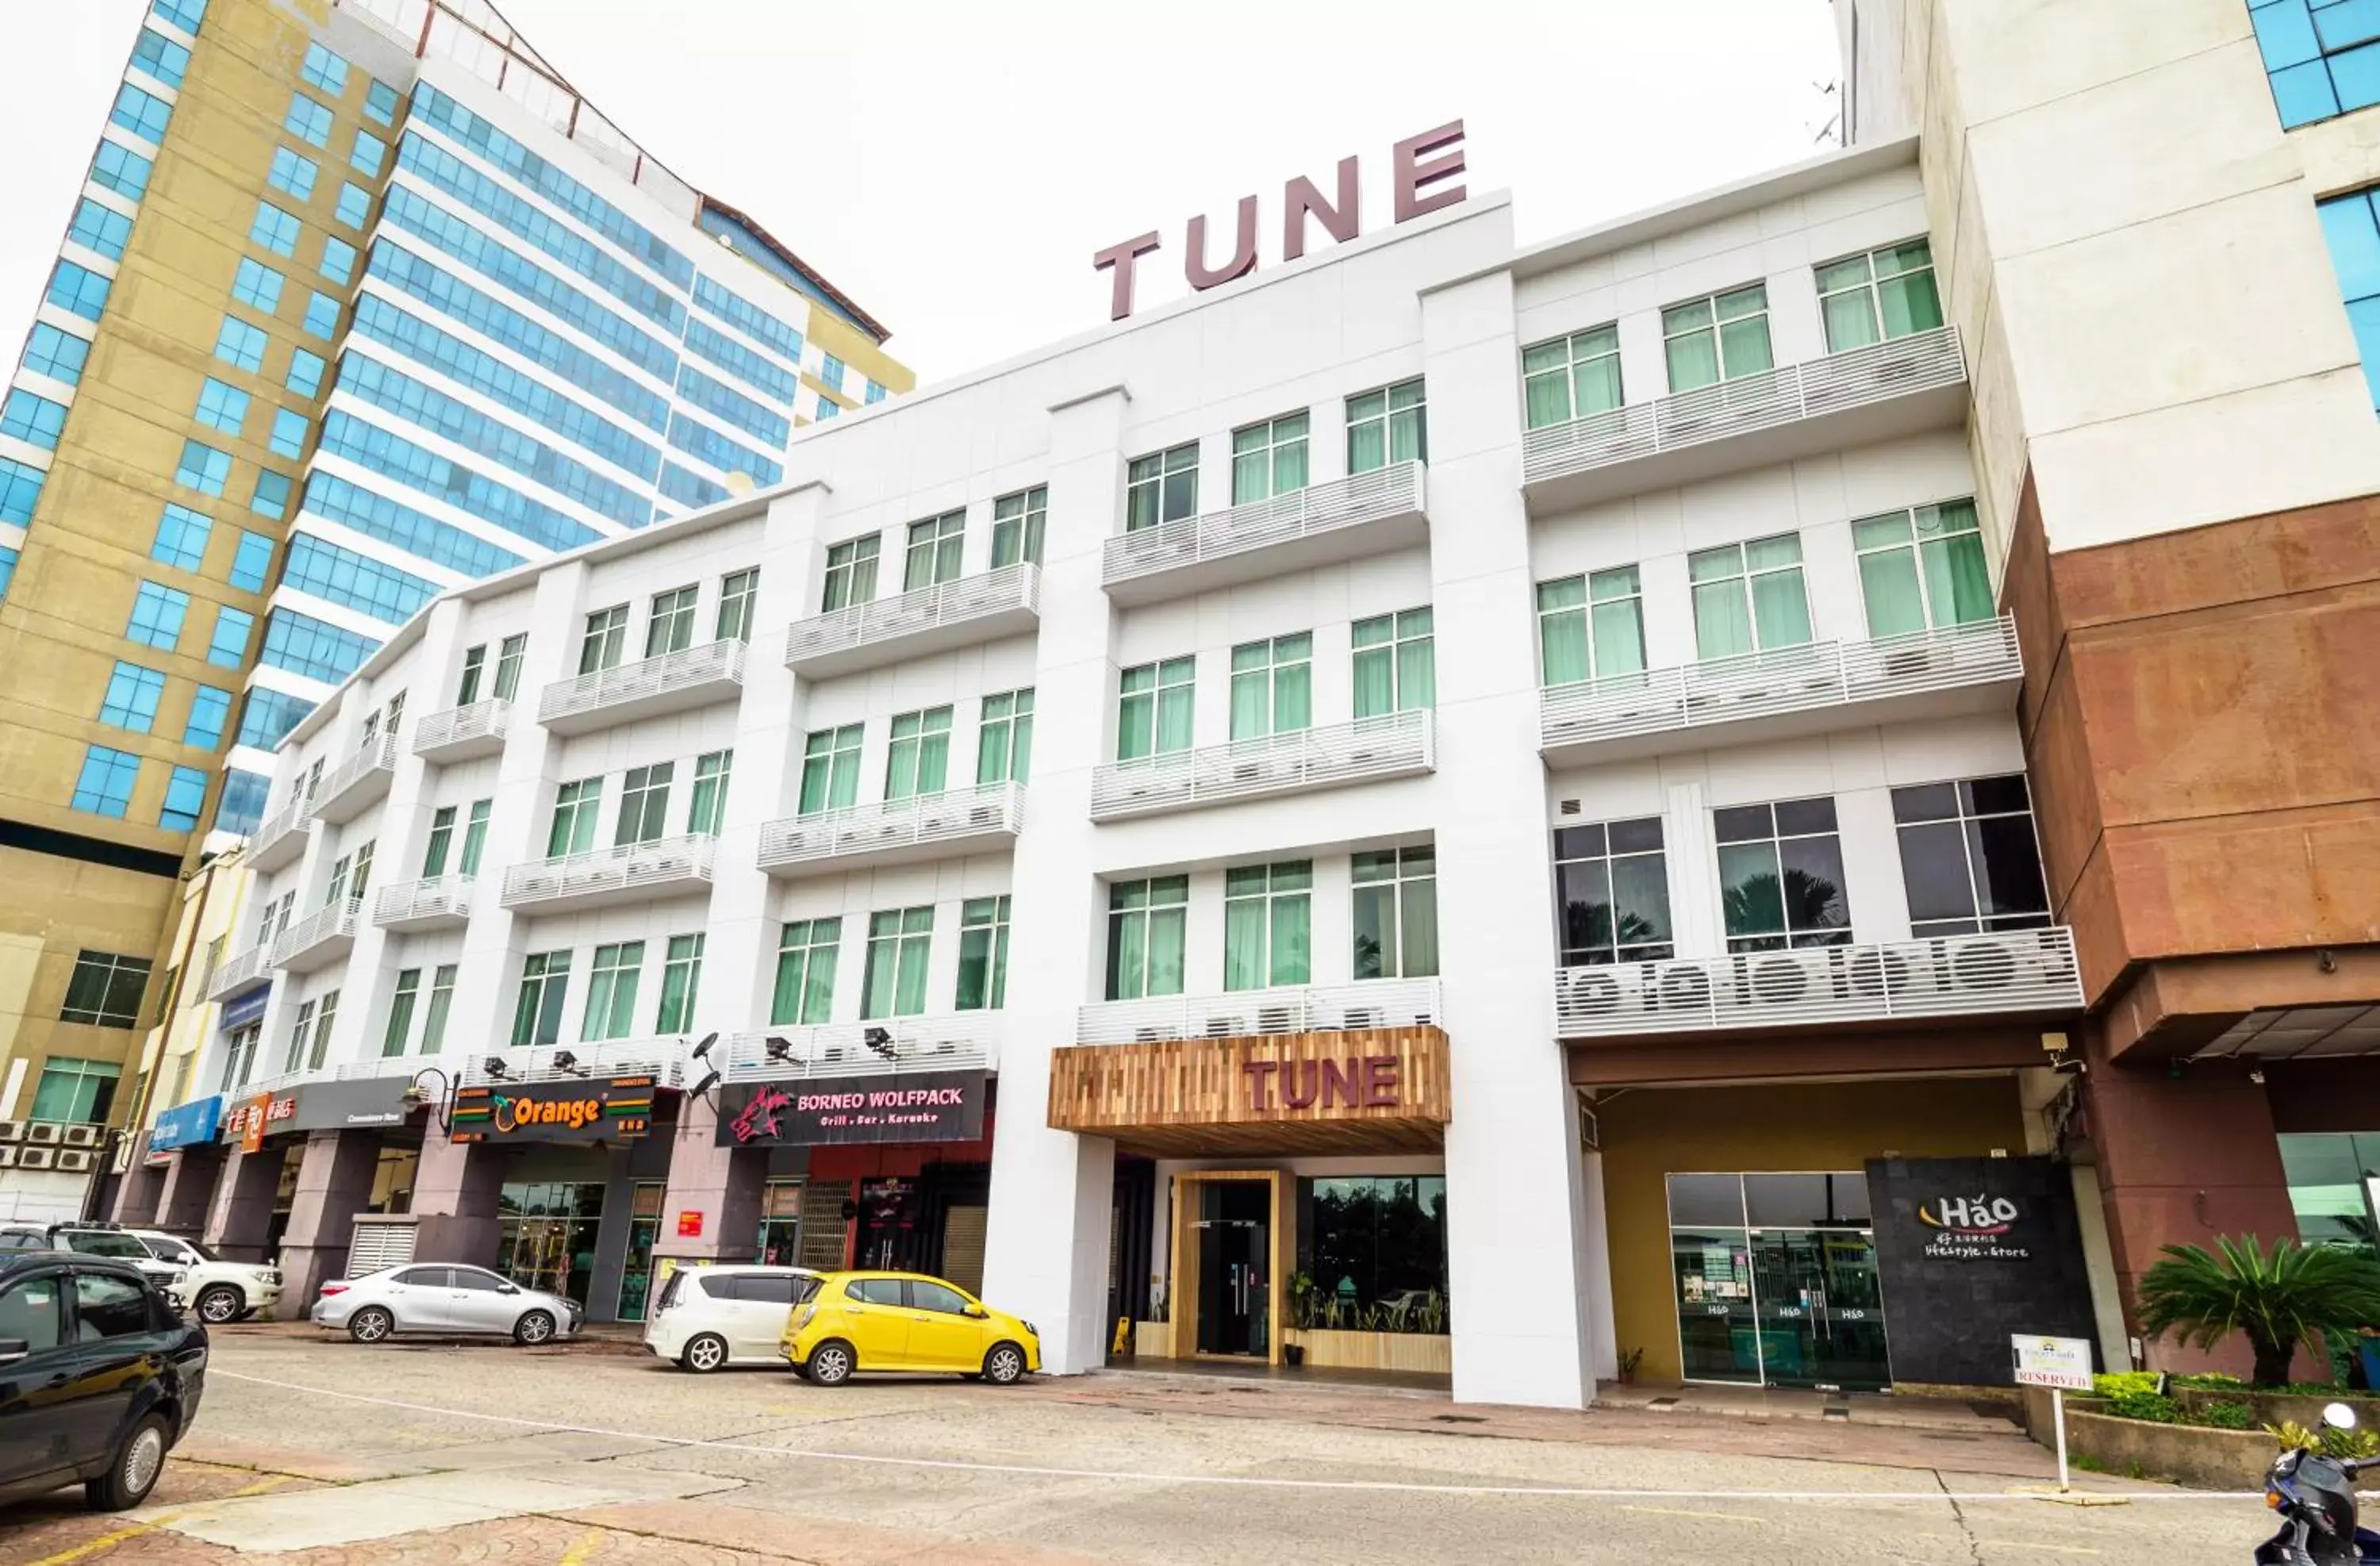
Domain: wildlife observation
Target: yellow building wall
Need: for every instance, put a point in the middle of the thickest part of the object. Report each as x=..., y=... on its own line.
x=1650, y=1134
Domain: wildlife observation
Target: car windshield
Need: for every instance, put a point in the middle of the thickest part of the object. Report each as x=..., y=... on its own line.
x=102, y=1243
x=175, y=1250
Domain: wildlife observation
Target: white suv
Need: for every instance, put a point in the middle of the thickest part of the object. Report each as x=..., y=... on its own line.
x=216, y=1291
x=712, y=1316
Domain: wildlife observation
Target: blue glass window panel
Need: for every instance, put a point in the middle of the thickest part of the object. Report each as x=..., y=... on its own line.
x=289, y=434
x=132, y=695
x=2354, y=238
x=875, y=393
x=2343, y=24
x=240, y=345
x=251, y=561
x=202, y=469
x=698, y=439
x=354, y=205
x=105, y=787
x=746, y=366
x=240, y=807
x=229, y=647
x=323, y=315
x=747, y=242
x=58, y=355
x=831, y=371
x=78, y=290
x=186, y=796
x=308, y=121
x=99, y=228
x=725, y=402
x=183, y=14
x=181, y=538
x=338, y=260
x=368, y=156
x=257, y=284
x=2303, y=95
x=828, y=409
x=221, y=406
x=316, y=649
x=272, y=497
x=20, y=489
x=157, y=615
x=160, y=57
x=325, y=70
x=380, y=102
x=269, y=716
x=7, y=569
x=143, y=114
x=690, y=489
x=305, y=372
x=747, y=318
x=377, y=517
x=293, y=174
x=2356, y=76
x=32, y=418
x=2364, y=316
x=377, y=449
x=118, y=168
x=210, y=710
x=355, y=581
x=275, y=229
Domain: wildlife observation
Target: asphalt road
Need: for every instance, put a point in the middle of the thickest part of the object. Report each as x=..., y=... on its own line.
x=310, y=1451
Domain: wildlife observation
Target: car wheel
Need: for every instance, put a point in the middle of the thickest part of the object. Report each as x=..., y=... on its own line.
x=134, y=1472
x=220, y=1303
x=1004, y=1365
x=370, y=1324
x=829, y=1363
x=704, y=1354
x=537, y=1326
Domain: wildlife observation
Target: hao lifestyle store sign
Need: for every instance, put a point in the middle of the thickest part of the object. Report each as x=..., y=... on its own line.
x=1363, y=1090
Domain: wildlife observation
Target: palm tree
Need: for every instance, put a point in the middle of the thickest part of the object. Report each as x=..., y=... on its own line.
x=2293, y=1293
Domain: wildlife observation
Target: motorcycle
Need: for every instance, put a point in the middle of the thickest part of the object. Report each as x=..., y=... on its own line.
x=2314, y=1494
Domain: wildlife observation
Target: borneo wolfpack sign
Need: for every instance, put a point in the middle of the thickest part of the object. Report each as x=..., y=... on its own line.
x=943, y=1106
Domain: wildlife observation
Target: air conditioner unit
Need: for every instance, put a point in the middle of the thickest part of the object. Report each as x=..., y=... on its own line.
x=37, y=1157
x=8, y=1152
x=75, y=1160
x=45, y=1130
x=12, y=1131
x=82, y=1136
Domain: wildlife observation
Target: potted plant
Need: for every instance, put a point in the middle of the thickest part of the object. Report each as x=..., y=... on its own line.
x=1629, y=1361
x=2292, y=1293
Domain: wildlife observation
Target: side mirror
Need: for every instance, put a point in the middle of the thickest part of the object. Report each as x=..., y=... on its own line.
x=978, y=1313
x=13, y=1349
x=2338, y=1417
x=508, y=1288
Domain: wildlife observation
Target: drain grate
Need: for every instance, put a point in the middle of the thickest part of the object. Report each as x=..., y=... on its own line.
x=1460, y=1418
x=1835, y=1411
x=1662, y=1404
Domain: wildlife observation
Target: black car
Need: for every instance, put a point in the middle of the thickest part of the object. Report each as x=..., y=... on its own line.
x=99, y=1377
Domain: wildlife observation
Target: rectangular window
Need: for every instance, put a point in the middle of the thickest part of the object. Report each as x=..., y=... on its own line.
x=806, y=960
x=321, y=315
x=475, y=665
x=339, y=887
x=222, y=406
x=160, y=57
x=611, y=992
x=234, y=628
x=354, y=205
x=1153, y=712
x=1922, y=569
x=367, y=154
x=104, y=785
x=600, y=643
x=275, y=229
x=143, y=114
x=305, y=376
x=157, y=615
x=1748, y=597
x=1396, y=913
x=668, y=623
x=210, y=714
x=983, y=954
x=708, y=812
x=442, y=1001
x=1016, y=525
x=1272, y=686
x=20, y=487
x=257, y=286
x=99, y=228
x=1718, y=338
x=76, y=289
x=1590, y=627
x=239, y=1056
x=251, y=561
x=289, y=434
x=293, y=174
x=58, y=355
x=338, y=260
x=240, y=345
x=1004, y=738
x=186, y=799
x=644, y=804
x=831, y=769
x=131, y=700
x=508, y=666
x=1969, y=856
x=736, y=596
x=272, y=495
x=544, y=986
x=1781, y=870
x=181, y=538
x=2318, y=56
x=575, y=806
x=1148, y=929
x=34, y=420
x=381, y=100
x=441, y=843
x=1387, y=426
x=918, y=760
x=1882, y=294
x=898, y=942
x=308, y=121
x=830, y=370
x=325, y=70
x=1269, y=459
x=681, y=983
x=105, y=990
x=1161, y=488
x=118, y=168
x=400, y=1013
x=934, y=547
x=1396, y=664
x=76, y=1093
x=850, y=573
x=1611, y=888
x=474, y=836
x=1268, y=924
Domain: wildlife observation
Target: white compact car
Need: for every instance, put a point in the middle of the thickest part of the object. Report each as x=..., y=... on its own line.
x=213, y=1290
x=712, y=1316
x=442, y=1298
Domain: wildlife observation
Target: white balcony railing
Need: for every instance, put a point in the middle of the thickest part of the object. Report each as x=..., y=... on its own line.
x=321, y=937
x=862, y=635
x=959, y=1041
x=280, y=838
x=1837, y=383
x=668, y=682
x=359, y=783
x=1313, y=526
x=2005, y=971
x=1909, y=669
x=891, y=831
x=461, y=734
x=663, y=1059
x=372, y=1069
x=1240, y=1013
x=1398, y=744
x=240, y=972
x=629, y=873
x=440, y=902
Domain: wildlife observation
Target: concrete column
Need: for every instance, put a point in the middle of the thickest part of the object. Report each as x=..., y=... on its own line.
x=242, y=1213
x=189, y=1189
x=455, y=1191
x=333, y=1183
x=721, y=1184
x=136, y=1197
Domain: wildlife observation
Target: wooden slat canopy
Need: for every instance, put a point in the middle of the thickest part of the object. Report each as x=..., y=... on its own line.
x=1363, y=1090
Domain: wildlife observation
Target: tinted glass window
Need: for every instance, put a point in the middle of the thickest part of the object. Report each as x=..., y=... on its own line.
x=472, y=1278
x=104, y=1243
x=805, y=1289
x=30, y=1312
x=423, y=1277
x=714, y=1285
x=765, y=1288
x=22, y=1240
x=937, y=1296
x=1697, y=1199
x=1804, y=1201
x=108, y=1307
x=876, y=1291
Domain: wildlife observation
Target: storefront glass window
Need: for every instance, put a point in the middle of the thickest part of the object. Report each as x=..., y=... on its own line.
x=1371, y=1255
x=2331, y=1179
x=547, y=1236
x=1777, y=1279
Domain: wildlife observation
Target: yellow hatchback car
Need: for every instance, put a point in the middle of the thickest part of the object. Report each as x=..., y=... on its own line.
x=870, y=1321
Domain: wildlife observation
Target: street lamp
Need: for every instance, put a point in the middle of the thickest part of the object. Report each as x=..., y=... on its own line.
x=416, y=1099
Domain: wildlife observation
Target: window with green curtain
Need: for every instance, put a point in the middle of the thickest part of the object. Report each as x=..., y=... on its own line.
x=1154, y=708
x=400, y=1013
x=831, y=769
x=681, y=983
x=983, y=954
x=1748, y=597
x=1385, y=426
x=934, y=549
x=669, y=621
x=474, y=836
x=1591, y=627
x=850, y=573
x=1396, y=663
x=1718, y=338
x=805, y=960
x=1016, y=525
x=442, y=1001
x=575, y=806
x=1268, y=923
x=1922, y=569
x=1396, y=913
x=1272, y=686
x=600, y=643
x=919, y=761
x=1269, y=459
x=1874, y=297
x=1148, y=923
x=442, y=839
x=1004, y=738
x=899, y=940
x=738, y=593
x=644, y=804
x=1571, y=377
x=708, y=810
x=76, y=1092
x=1161, y=487
x=544, y=986
x=612, y=992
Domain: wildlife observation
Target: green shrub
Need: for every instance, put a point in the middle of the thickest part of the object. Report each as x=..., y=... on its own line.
x=2088, y=1464
x=2118, y=1383
x=2209, y=1381
x=2145, y=1405
x=2225, y=1417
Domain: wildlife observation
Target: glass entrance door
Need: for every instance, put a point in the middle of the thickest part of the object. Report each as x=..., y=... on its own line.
x=1233, y=1230
x=1776, y=1280
x=1821, y=1314
x=637, y=1266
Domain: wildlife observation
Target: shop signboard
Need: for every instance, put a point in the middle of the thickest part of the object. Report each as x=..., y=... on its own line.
x=616, y=1109
x=937, y=1106
x=2063, y=1363
x=347, y=1106
x=185, y=1124
x=251, y=1120
x=1374, y=1089
x=247, y=1009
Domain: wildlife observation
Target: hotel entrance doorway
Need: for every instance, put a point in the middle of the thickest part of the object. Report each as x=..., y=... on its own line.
x=1227, y=1241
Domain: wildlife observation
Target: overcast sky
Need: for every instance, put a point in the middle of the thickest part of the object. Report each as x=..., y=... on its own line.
x=952, y=164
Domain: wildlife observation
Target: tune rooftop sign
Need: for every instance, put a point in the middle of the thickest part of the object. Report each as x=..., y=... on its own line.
x=1422, y=167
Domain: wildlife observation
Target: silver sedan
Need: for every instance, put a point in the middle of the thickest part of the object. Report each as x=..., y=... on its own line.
x=441, y=1298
